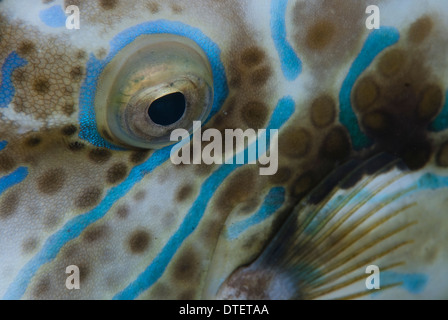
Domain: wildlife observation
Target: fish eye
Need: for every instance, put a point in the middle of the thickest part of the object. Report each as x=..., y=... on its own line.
x=154, y=85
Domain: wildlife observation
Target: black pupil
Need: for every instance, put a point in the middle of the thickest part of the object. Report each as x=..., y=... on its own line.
x=167, y=109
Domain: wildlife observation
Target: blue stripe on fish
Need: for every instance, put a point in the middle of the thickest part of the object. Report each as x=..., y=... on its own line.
x=432, y=181
x=7, y=91
x=3, y=144
x=13, y=178
x=53, y=17
x=272, y=202
x=94, y=67
x=377, y=41
x=413, y=283
x=284, y=109
x=290, y=63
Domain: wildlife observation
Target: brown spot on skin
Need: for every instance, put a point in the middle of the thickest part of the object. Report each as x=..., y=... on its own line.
x=68, y=109
x=323, y=111
x=84, y=271
x=6, y=163
x=260, y=76
x=295, y=142
x=116, y=173
x=186, y=265
x=26, y=47
x=29, y=245
x=238, y=189
x=430, y=103
x=366, y=93
x=139, y=241
x=184, y=193
x=254, y=114
x=95, y=233
x=88, y=197
x=392, y=62
x=51, y=181
x=252, y=57
x=442, y=155
x=176, y=9
x=123, y=212
x=76, y=73
x=140, y=195
x=137, y=157
x=41, y=85
x=336, y=145
x=33, y=141
x=320, y=35
x=379, y=123
x=420, y=30
x=42, y=287
x=153, y=7
x=100, y=156
x=69, y=130
x=235, y=81
x=108, y=4
x=9, y=204
x=76, y=146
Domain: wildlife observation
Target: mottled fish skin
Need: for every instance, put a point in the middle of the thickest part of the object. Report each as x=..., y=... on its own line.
x=140, y=227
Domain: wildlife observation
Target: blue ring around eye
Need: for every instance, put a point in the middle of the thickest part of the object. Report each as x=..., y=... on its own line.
x=94, y=68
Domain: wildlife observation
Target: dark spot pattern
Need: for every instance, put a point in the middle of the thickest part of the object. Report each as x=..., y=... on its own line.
x=95, y=233
x=51, y=181
x=139, y=241
x=100, y=156
x=33, y=141
x=88, y=197
x=76, y=146
x=184, y=193
x=9, y=204
x=69, y=130
x=116, y=173
x=41, y=85
x=108, y=4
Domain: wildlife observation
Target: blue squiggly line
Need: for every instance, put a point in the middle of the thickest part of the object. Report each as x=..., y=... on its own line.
x=13, y=178
x=290, y=63
x=272, y=202
x=7, y=91
x=53, y=17
x=154, y=271
x=3, y=144
x=377, y=41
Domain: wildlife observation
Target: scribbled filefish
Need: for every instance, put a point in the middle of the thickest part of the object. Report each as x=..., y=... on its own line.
x=93, y=207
